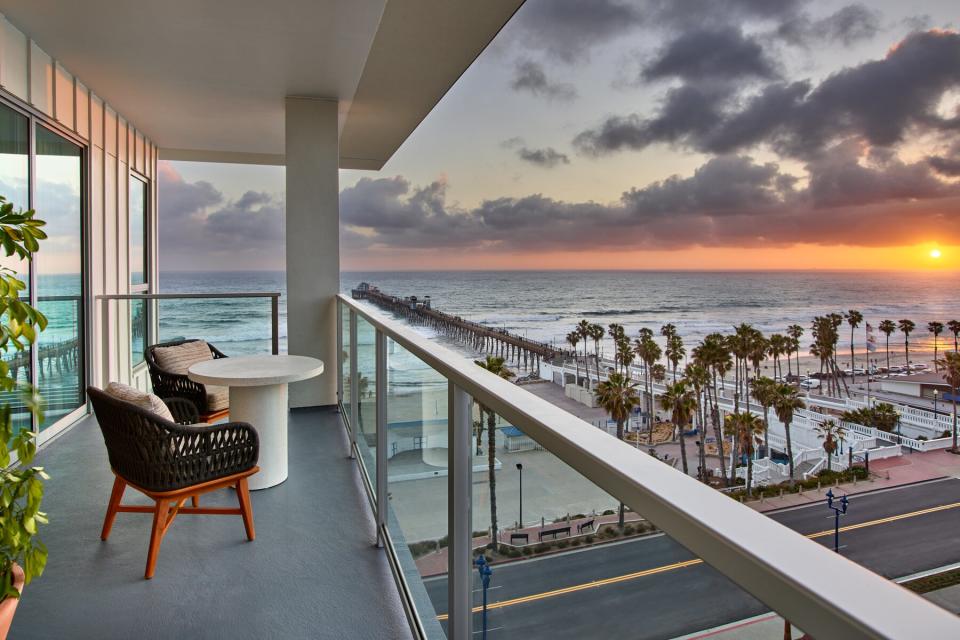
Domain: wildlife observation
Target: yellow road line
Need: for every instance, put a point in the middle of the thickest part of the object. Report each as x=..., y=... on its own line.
x=689, y=563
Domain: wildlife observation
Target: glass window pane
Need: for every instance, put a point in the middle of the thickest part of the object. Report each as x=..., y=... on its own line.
x=138, y=330
x=58, y=199
x=138, y=231
x=14, y=182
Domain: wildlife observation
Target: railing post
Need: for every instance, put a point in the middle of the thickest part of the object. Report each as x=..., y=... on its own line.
x=275, y=324
x=381, y=399
x=354, y=386
x=339, y=354
x=459, y=513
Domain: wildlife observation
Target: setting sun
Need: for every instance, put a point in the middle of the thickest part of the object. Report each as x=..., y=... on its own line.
x=935, y=253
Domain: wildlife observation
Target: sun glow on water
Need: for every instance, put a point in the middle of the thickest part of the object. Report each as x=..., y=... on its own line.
x=935, y=253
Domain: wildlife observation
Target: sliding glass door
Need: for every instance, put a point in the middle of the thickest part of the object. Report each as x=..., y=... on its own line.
x=43, y=170
x=15, y=187
x=58, y=199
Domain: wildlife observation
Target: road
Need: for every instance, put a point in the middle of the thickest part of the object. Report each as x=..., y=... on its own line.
x=654, y=588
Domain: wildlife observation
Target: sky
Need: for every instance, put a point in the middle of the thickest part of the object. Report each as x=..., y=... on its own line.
x=645, y=134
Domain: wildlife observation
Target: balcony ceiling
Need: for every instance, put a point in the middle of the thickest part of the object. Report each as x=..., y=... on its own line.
x=206, y=80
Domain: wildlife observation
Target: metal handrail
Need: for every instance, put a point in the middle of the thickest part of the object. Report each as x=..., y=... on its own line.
x=824, y=594
x=273, y=295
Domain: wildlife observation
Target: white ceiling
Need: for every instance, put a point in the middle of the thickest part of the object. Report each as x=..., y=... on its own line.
x=206, y=79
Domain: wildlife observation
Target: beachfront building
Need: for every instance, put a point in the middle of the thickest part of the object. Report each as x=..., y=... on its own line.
x=92, y=96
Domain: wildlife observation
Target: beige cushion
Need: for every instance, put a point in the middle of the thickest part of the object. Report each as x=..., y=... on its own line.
x=177, y=359
x=147, y=401
x=217, y=398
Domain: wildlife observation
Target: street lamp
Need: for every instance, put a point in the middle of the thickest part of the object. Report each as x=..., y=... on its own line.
x=520, y=469
x=936, y=393
x=837, y=512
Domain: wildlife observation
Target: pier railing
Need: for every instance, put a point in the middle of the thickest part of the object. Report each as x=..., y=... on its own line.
x=816, y=589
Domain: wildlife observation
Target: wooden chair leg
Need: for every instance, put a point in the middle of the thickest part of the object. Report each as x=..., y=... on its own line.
x=160, y=513
x=115, y=496
x=243, y=495
x=195, y=500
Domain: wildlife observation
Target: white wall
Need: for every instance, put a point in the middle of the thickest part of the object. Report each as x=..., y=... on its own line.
x=31, y=77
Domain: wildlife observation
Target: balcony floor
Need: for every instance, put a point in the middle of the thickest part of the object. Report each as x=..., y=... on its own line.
x=313, y=571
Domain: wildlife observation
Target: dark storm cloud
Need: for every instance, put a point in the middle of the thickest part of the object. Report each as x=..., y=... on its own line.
x=877, y=101
x=547, y=157
x=709, y=54
x=848, y=25
x=685, y=14
x=568, y=29
x=850, y=197
x=530, y=76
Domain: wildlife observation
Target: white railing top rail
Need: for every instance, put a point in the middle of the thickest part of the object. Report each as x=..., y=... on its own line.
x=821, y=592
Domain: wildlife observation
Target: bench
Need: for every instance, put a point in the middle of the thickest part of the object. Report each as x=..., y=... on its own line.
x=555, y=532
x=519, y=536
x=586, y=525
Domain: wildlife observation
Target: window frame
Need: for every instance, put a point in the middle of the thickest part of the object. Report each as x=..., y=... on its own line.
x=146, y=285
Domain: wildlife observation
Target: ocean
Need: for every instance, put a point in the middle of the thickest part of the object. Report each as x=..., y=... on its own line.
x=545, y=305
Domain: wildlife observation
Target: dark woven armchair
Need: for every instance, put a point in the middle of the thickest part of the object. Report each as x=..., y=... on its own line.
x=172, y=463
x=167, y=384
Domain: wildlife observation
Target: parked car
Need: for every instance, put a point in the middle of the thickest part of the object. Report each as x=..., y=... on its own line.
x=810, y=383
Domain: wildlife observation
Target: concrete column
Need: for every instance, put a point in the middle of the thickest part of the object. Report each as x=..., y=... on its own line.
x=313, y=242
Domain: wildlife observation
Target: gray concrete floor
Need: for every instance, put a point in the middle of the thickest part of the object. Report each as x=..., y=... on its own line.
x=313, y=571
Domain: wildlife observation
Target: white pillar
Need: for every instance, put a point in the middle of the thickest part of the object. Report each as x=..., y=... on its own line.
x=313, y=242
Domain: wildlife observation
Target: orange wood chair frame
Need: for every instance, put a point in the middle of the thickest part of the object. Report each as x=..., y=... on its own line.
x=169, y=504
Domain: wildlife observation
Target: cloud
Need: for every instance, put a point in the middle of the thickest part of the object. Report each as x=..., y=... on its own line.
x=530, y=76
x=850, y=195
x=710, y=54
x=568, y=29
x=199, y=228
x=877, y=101
x=681, y=15
x=547, y=157
x=847, y=26
x=947, y=163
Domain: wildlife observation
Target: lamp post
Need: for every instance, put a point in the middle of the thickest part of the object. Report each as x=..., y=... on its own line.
x=485, y=572
x=837, y=512
x=936, y=394
x=520, y=469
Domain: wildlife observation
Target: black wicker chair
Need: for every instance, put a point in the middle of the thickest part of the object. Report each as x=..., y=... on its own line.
x=167, y=384
x=171, y=463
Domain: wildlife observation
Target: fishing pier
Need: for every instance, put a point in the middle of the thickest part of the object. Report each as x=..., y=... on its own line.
x=523, y=352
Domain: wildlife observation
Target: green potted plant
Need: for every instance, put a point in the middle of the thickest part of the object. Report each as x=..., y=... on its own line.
x=22, y=555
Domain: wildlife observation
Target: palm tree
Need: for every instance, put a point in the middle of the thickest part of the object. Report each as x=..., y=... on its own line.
x=888, y=327
x=680, y=401
x=675, y=352
x=583, y=328
x=668, y=330
x=951, y=375
x=854, y=318
x=596, y=334
x=831, y=433
x=954, y=327
x=936, y=328
x=618, y=397
x=745, y=428
x=698, y=377
x=795, y=331
x=764, y=391
x=906, y=326
x=884, y=416
x=495, y=365
x=573, y=339
x=649, y=352
x=785, y=403
x=779, y=345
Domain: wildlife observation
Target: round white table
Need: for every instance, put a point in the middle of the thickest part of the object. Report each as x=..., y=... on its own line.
x=258, y=395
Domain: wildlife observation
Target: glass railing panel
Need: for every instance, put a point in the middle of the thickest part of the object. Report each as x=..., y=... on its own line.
x=417, y=477
x=345, y=362
x=367, y=397
x=564, y=565
x=236, y=326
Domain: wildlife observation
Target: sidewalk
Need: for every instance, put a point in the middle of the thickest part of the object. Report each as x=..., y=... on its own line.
x=890, y=472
